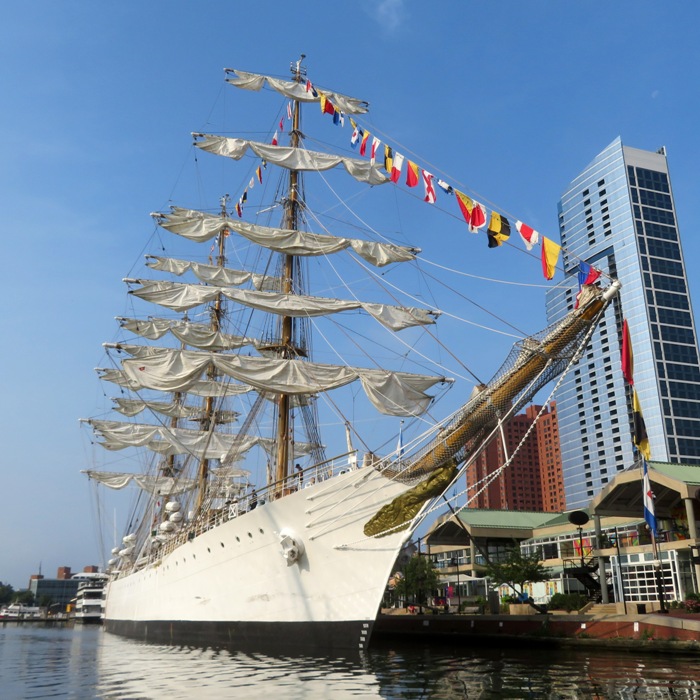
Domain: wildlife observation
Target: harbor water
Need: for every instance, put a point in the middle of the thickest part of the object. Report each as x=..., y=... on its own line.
x=39, y=661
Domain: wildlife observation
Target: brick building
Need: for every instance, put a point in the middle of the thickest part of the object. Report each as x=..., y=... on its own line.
x=533, y=481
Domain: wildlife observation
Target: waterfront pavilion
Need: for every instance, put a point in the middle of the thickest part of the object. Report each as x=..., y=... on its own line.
x=610, y=557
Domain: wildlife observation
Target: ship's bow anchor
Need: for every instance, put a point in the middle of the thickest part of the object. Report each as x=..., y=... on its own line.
x=292, y=546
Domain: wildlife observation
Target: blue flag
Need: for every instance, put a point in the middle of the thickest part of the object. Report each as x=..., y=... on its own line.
x=648, y=496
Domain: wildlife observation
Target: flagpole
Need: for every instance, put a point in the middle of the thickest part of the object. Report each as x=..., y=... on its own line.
x=641, y=442
x=659, y=574
x=650, y=517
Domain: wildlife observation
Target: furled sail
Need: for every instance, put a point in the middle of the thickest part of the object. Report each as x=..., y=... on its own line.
x=172, y=409
x=295, y=91
x=291, y=158
x=204, y=387
x=212, y=274
x=158, y=485
x=200, y=226
x=180, y=296
x=392, y=393
x=197, y=335
x=174, y=441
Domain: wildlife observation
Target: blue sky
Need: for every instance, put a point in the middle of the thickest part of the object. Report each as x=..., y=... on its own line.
x=510, y=99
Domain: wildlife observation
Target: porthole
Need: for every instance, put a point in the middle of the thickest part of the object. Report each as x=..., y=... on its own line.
x=250, y=534
x=262, y=532
x=209, y=550
x=238, y=539
x=221, y=543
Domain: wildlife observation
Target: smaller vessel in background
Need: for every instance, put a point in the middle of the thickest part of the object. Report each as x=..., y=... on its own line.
x=90, y=601
x=17, y=611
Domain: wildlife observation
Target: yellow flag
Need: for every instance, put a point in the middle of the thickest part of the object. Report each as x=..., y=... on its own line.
x=388, y=158
x=641, y=440
x=498, y=230
x=550, y=257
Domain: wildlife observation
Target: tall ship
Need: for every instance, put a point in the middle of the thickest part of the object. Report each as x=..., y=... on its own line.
x=283, y=452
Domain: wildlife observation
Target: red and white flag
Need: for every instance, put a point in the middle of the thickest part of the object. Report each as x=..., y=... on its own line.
x=274, y=139
x=478, y=217
x=375, y=146
x=530, y=237
x=396, y=167
x=429, y=188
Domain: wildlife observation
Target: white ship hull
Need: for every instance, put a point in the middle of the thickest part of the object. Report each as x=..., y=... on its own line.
x=232, y=584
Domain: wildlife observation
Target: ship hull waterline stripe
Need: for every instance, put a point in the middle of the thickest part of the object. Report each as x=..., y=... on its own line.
x=268, y=637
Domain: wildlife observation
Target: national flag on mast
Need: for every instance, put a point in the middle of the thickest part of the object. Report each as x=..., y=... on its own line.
x=648, y=496
x=639, y=436
x=274, y=139
x=587, y=274
x=289, y=110
x=627, y=356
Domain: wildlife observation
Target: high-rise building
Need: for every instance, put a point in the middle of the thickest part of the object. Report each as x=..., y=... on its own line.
x=533, y=480
x=619, y=216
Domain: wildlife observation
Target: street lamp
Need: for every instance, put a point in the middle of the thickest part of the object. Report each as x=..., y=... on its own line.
x=579, y=518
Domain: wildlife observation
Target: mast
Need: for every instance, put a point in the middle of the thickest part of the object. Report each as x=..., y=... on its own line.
x=215, y=324
x=291, y=218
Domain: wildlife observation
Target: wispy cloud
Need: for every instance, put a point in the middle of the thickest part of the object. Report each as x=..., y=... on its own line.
x=388, y=13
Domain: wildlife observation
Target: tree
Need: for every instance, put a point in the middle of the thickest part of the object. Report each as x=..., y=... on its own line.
x=518, y=569
x=25, y=597
x=46, y=601
x=419, y=578
x=6, y=593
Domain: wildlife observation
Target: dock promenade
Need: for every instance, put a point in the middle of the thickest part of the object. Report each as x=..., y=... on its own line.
x=652, y=631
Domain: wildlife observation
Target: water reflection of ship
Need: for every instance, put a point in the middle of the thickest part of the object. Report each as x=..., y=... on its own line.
x=398, y=670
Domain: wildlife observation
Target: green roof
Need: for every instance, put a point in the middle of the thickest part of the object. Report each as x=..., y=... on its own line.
x=516, y=519
x=688, y=473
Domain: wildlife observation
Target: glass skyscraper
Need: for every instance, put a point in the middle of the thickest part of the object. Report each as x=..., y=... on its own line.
x=619, y=216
